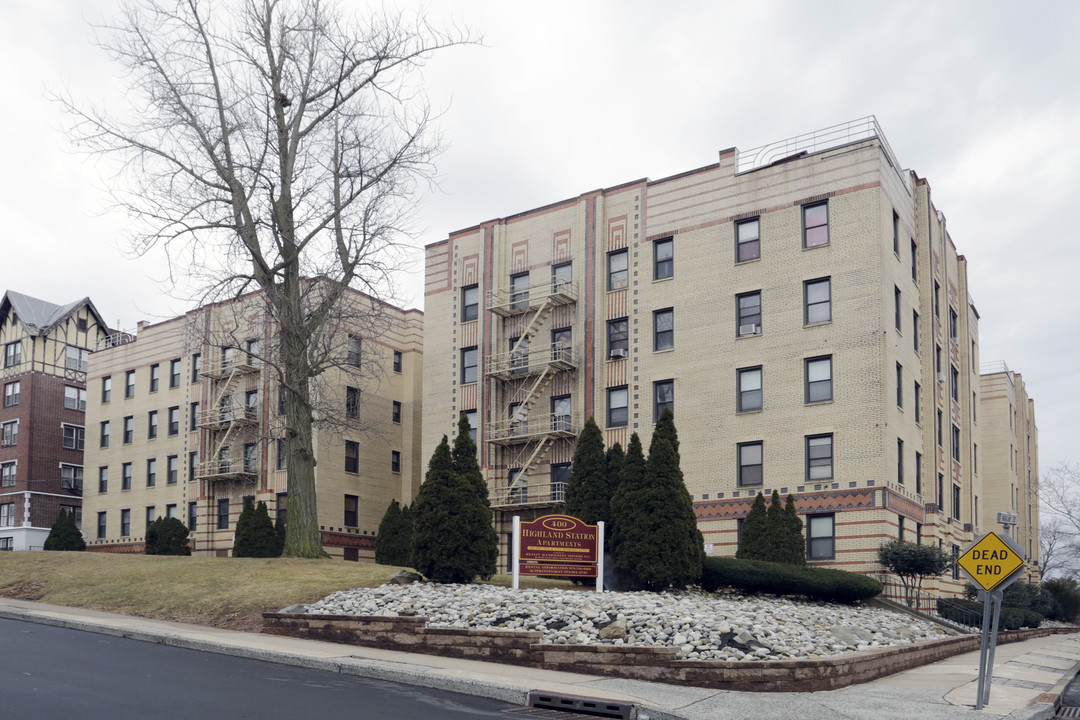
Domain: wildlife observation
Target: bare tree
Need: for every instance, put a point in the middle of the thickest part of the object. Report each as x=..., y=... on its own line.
x=1058, y=546
x=274, y=145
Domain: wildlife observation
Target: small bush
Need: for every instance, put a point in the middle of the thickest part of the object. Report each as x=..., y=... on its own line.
x=167, y=536
x=783, y=579
x=1066, y=593
x=1011, y=618
x=65, y=534
x=255, y=534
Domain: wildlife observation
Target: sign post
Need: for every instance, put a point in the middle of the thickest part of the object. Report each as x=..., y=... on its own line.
x=993, y=563
x=558, y=546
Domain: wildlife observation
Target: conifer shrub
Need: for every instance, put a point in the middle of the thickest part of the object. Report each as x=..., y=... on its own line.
x=465, y=462
x=1066, y=594
x=588, y=494
x=784, y=579
x=753, y=540
x=65, y=534
x=791, y=540
x=453, y=540
x=393, y=544
x=167, y=536
x=255, y=534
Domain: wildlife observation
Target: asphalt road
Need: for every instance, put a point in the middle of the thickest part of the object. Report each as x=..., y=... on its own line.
x=58, y=673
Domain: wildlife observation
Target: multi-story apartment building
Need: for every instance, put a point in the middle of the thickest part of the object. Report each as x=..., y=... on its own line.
x=800, y=306
x=186, y=419
x=42, y=420
x=1008, y=457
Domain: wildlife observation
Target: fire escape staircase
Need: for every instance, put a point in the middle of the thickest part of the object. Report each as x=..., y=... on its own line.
x=224, y=418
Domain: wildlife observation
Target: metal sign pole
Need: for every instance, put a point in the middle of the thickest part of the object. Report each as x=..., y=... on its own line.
x=515, y=548
x=599, y=556
x=984, y=646
x=995, y=599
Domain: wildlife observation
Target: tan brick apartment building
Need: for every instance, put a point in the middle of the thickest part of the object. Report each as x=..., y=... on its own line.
x=185, y=421
x=801, y=307
x=45, y=348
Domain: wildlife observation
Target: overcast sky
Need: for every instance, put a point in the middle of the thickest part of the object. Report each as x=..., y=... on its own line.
x=567, y=97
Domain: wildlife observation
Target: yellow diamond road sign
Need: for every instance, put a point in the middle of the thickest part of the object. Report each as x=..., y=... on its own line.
x=990, y=561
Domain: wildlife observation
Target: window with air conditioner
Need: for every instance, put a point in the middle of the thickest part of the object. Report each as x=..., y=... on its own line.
x=748, y=313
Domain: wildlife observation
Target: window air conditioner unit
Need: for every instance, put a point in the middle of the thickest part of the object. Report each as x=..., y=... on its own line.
x=618, y=353
x=941, y=377
x=749, y=330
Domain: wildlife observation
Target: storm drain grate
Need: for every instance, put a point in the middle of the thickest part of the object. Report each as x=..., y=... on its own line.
x=1068, y=712
x=580, y=705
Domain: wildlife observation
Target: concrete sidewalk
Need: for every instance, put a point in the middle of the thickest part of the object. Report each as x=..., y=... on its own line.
x=1026, y=675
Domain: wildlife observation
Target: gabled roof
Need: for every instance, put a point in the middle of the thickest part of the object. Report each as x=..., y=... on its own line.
x=39, y=316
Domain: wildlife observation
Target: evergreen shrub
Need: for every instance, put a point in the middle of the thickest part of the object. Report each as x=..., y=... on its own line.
x=784, y=579
x=65, y=534
x=1066, y=594
x=167, y=536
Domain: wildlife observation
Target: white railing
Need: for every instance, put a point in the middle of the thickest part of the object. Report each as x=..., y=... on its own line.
x=813, y=142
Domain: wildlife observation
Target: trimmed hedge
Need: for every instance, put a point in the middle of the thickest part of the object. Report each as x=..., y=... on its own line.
x=1011, y=618
x=783, y=579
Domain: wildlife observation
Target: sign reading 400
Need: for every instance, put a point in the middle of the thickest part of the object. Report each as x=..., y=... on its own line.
x=558, y=539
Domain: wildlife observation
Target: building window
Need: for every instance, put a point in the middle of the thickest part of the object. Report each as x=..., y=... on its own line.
x=952, y=325
x=9, y=433
x=129, y=386
x=125, y=522
x=817, y=301
x=196, y=367
x=352, y=505
x=519, y=358
x=193, y=422
x=352, y=457
x=174, y=373
x=954, y=384
x=914, y=262
x=106, y=389
x=395, y=461
x=352, y=402
x=151, y=424
x=939, y=429
x=618, y=335
x=815, y=225
x=518, y=492
x=193, y=464
x=8, y=472
x=71, y=478
x=918, y=473
x=748, y=387
x=74, y=398
x=228, y=357
x=750, y=463
x=11, y=393
x=170, y=510
x=150, y=514
x=172, y=469
x=250, y=458
x=282, y=399
x=354, y=351
x=618, y=270
x=151, y=472
x=279, y=453
x=560, y=343
x=395, y=412
x=519, y=291
x=76, y=358
x=748, y=313
x=13, y=354
x=617, y=407
x=915, y=330
x=918, y=403
x=663, y=397
x=956, y=502
x=174, y=420
x=251, y=349
x=469, y=362
x=819, y=379
x=896, y=239
x=223, y=514
x=192, y=515
x=819, y=457
x=562, y=276
x=519, y=427
x=397, y=361
x=155, y=377
x=470, y=416
x=956, y=444
x=664, y=259
x=560, y=478
x=664, y=329
x=560, y=413
x=101, y=525
x=125, y=476
x=896, y=309
x=899, y=385
x=820, y=537
x=748, y=240
x=73, y=436
x=7, y=514
x=899, y=461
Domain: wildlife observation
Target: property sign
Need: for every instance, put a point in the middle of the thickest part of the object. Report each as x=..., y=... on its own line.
x=991, y=561
x=558, y=539
x=583, y=571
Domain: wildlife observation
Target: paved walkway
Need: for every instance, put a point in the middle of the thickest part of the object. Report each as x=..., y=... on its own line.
x=1025, y=674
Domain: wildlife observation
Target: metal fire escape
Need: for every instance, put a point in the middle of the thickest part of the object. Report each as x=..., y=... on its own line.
x=228, y=420
x=523, y=436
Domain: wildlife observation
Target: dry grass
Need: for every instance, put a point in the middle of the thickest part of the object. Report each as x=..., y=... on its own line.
x=219, y=592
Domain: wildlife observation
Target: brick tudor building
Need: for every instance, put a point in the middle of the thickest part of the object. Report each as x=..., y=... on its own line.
x=46, y=348
x=800, y=306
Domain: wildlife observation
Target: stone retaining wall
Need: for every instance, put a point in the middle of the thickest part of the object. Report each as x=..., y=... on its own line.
x=516, y=647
